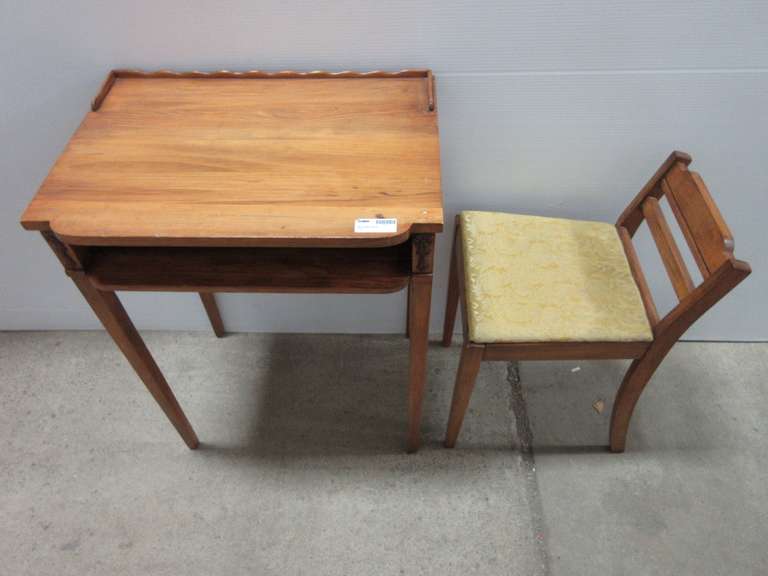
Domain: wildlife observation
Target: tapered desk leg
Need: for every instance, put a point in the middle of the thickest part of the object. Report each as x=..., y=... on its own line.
x=419, y=302
x=408, y=310
x=421, y=297
x=209, y=303
x=113, y=316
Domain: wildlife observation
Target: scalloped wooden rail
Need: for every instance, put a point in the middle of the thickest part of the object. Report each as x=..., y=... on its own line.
x=406, y=73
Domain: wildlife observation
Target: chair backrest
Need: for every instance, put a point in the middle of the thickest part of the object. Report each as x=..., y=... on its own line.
x=705, y=232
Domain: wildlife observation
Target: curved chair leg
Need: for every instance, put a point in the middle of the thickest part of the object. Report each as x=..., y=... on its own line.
x=635, y=380
x=706, y=295
x=469, y=366
x=452, y=302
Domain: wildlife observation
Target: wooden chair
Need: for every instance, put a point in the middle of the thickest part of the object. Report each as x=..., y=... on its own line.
x=551, y=289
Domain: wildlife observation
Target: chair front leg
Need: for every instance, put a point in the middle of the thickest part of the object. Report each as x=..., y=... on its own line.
x=638, y=375
x=469, y=366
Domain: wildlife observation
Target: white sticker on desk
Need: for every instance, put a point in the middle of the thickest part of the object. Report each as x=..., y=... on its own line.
x=376, y=225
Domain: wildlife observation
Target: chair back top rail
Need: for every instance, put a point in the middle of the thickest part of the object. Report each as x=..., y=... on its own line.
x=632, y=216
x=711, y=240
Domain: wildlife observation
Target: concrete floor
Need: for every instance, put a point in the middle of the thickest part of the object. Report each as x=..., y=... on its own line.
x=301, y=470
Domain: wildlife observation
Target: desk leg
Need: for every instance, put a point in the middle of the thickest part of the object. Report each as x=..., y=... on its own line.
x=113, y=316
x=408, y=310
x=209, y=303
x=419, y=302
x=418, y=329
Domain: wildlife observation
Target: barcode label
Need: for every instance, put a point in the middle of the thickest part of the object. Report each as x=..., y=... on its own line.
x=374, y=225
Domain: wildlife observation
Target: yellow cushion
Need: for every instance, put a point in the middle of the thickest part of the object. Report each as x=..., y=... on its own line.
x=534, y=279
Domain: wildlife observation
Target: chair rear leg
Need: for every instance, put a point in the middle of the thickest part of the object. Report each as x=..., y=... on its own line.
x=452, y=302
x=635, y=380
x=469, y=365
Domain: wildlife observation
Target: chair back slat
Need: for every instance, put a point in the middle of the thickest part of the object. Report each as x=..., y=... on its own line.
x=710, y=239
x=665, y=242
x=690, y=239
x=639, y=276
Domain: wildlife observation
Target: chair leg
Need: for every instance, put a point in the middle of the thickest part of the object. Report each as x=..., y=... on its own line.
x=452, y=302
x=469, y=366
x=635, y=380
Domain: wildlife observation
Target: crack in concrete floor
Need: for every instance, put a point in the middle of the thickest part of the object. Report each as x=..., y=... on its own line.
x=525, y=445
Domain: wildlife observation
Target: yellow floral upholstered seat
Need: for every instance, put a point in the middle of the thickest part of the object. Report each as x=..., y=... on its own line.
x=534, y=279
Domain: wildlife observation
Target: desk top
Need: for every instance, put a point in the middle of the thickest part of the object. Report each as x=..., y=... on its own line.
x=247, y=159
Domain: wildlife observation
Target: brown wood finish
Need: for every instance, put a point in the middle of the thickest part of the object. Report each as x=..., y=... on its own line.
x=665, y=242
x=423, y=250
x=632, y=216
x=709, y=236
x=212, y=310
x=106, y=86
x=247, y=159
x=418, y=333
x=113, y=316
x=408, y=310
x=469, y=366
x=68, y=257
x=350, y=270
x=452, y=298
x=419, y=306
x=461, y=276
x=113, y=75
x=272, y=75
x=456, y=282
x=684, y=228
x=564, y=350
x=248, y=182
x=115, y=320
x=430, y=91
x=671, y=328
x=639, y=277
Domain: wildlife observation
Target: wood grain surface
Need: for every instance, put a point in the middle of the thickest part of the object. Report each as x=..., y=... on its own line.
x=227, y=160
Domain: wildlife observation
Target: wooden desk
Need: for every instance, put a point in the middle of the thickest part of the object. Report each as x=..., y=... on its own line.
x=248, y=182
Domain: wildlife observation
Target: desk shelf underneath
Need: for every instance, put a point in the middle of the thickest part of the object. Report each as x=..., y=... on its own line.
x=334, y=270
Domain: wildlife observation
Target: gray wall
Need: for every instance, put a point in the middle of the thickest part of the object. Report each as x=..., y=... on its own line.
x=555, y=108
